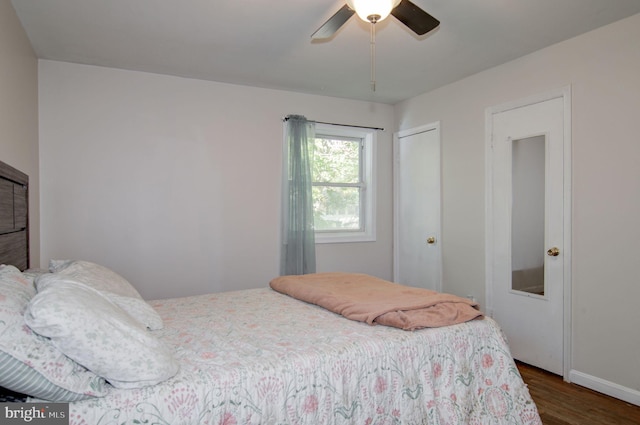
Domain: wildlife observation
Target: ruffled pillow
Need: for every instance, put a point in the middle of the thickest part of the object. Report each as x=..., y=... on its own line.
x=29, y=363
x=95, y=276
x=91, y=329
x=114, y=286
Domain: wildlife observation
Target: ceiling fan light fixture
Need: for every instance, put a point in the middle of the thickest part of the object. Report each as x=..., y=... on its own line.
x=372, y=10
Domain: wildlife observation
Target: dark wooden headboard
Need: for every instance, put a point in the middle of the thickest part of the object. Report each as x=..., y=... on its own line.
x=14, y=217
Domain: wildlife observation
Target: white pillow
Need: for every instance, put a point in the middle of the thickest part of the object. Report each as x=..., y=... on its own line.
x=94, y=275
x=92, y=330
x=116, y=287
x=30, y=363
x=137, y=308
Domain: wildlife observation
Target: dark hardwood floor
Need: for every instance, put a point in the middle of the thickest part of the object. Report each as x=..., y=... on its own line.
x=561, y=403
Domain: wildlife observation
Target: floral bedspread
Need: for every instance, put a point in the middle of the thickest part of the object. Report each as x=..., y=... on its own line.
x=260, y=357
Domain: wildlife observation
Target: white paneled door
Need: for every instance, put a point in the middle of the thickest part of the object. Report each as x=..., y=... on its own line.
x=528, y=250
x=417, y=252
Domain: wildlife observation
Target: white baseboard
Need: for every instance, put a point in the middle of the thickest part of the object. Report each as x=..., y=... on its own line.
x=605, y=387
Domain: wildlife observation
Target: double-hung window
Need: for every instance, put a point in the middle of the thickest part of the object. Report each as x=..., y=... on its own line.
x=343, y=184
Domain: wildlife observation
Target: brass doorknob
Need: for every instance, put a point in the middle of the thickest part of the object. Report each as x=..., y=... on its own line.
x=431, y=240
x=553, y=252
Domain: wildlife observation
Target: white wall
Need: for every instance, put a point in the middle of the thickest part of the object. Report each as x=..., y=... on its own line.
x=19, y=112
x=175, y=183
x=603, y=69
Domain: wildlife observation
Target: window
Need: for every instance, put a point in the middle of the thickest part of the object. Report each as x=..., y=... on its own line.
x=342, y=184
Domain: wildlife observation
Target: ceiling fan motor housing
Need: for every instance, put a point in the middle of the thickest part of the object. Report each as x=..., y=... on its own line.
x=372, y=10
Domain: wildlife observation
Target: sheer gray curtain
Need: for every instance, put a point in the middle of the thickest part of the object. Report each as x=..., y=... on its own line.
x=298, y=254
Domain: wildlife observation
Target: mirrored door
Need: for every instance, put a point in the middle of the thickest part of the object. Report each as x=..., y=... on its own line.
x=527, y=212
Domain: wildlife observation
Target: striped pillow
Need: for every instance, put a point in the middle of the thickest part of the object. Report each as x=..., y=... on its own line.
x=23, y=379
x=29, y=363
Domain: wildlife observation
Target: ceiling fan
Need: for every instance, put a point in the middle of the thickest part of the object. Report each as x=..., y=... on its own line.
x=373, y=11
x=416, y=19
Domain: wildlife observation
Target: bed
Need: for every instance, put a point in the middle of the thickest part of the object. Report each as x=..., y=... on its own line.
x=254, y=357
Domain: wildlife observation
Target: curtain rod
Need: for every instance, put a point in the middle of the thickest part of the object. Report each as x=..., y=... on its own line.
x=341, y=125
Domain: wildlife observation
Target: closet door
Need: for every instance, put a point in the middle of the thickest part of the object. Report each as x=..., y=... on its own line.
x=417, y=252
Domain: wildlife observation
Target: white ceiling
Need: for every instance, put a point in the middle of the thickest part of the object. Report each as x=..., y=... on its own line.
x=267, y=43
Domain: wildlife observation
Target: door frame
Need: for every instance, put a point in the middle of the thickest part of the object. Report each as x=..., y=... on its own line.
x=565, y=94
x=434, y=126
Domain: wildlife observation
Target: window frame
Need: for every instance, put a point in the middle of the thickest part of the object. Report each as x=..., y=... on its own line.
x=367, y=200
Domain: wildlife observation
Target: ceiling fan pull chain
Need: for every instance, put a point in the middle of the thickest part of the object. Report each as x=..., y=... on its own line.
x=373, y=56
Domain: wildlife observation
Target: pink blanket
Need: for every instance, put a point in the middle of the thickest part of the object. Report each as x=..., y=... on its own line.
x=368, y=299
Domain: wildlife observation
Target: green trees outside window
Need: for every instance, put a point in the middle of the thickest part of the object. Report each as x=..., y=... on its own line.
x=337, y=183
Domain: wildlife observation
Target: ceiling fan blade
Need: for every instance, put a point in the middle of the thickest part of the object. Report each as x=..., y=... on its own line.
x=334, y=23
x=415, y=18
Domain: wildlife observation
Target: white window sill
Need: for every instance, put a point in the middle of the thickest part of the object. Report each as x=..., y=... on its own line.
x=344, y=237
